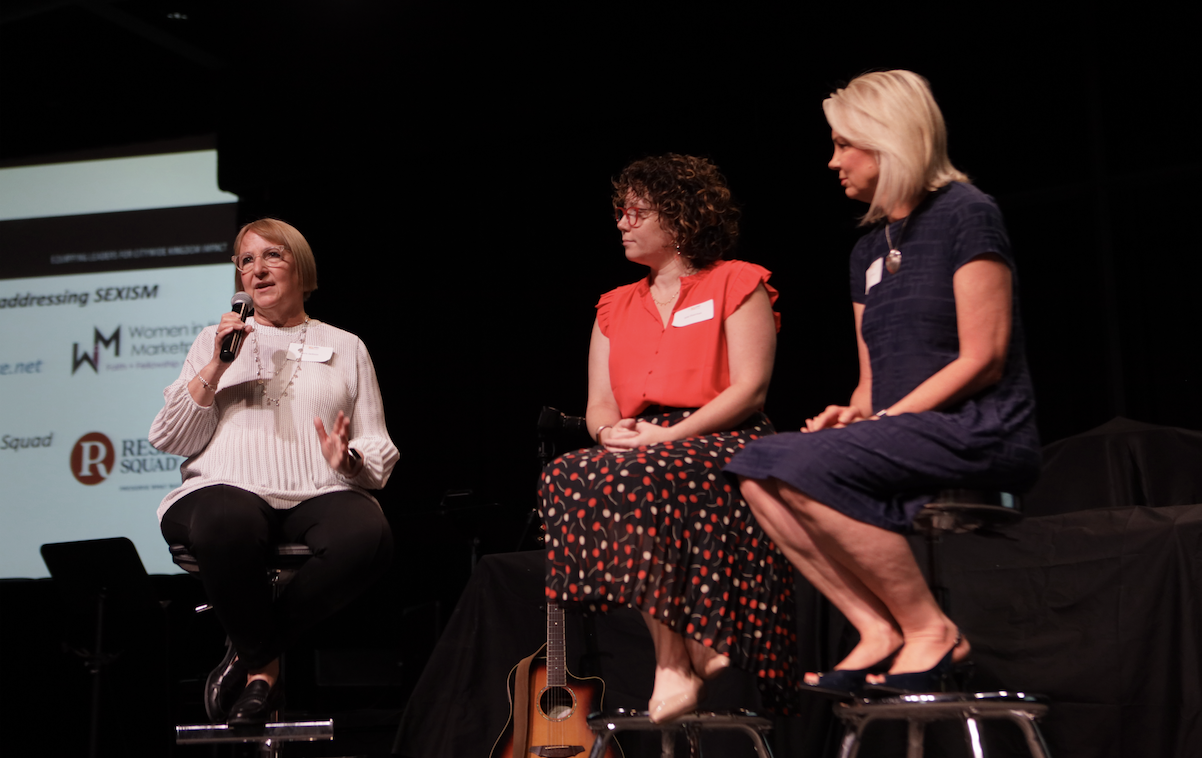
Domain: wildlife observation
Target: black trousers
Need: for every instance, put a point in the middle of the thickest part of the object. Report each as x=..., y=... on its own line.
x=231, y=531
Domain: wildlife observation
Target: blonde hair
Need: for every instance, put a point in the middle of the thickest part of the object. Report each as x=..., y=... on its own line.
x=281, y=233
x=894, y=115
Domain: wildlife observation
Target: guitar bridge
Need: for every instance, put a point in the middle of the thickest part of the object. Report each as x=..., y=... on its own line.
x=557, y=751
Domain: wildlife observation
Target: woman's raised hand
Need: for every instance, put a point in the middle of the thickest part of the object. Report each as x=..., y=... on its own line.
x=335, y=446
x=834, y=417
x=203, y=386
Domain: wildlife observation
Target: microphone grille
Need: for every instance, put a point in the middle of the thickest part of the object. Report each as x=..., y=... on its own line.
x=240, y=298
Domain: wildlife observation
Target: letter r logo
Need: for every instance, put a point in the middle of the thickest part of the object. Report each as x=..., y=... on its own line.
x=92, y=458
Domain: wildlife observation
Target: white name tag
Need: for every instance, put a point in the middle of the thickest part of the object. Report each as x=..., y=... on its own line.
x=310, y=354
x=694, y=313
x=872, y=277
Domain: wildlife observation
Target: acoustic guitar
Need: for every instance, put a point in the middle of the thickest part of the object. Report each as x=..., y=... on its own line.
x=549, y=707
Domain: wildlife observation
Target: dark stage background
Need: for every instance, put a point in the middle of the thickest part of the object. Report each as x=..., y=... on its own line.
x=450, y=165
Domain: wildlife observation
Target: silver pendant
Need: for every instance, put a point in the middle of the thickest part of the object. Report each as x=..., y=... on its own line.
x=893, y=261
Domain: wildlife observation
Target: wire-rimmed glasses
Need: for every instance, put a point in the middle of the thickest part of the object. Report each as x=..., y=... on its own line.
x=272, y=257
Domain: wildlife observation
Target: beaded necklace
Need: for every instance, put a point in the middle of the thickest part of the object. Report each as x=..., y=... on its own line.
x=299, y=361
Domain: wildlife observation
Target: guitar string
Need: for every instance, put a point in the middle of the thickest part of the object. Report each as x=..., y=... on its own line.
x=556, y=726
x=552, y=727
x=560, y=697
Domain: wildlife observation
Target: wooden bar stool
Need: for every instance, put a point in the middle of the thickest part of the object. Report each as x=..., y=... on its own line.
x=270, y=736
x=607, y=725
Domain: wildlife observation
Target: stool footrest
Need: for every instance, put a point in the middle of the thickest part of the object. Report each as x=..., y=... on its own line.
x=637, y=720
x=607, y=725
x=272, y=731
x=969, y=708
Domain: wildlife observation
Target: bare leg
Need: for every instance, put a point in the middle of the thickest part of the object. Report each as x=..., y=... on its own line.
x=677, y=686
x=707, y=663
x=884, y=564
x=879, y=634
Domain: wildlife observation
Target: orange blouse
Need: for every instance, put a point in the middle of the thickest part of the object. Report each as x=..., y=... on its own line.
x=686, y=364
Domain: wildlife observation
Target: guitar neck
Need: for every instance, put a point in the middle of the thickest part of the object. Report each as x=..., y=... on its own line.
x=557, y=664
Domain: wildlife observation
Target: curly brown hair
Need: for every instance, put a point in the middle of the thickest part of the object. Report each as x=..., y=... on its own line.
x=692, y=200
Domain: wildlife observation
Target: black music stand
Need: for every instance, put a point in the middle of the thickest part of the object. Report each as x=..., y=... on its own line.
x=108, y=613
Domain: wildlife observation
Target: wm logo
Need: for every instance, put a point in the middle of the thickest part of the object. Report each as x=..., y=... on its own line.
x=93, y=358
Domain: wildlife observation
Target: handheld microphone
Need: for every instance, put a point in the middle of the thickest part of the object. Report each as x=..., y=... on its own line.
x=240, y=303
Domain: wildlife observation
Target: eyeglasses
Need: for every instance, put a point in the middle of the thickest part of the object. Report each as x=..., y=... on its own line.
x=634, y=216
x=272, y=257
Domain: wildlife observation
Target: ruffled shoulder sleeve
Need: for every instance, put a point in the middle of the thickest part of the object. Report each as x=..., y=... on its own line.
x=613, y=300
x=742, y=280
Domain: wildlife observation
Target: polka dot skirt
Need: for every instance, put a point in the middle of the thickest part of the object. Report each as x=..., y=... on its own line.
x=661, y=529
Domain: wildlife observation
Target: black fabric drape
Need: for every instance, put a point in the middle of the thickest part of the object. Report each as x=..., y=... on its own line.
x=1101, y=611
x=1120, y=463
x=460, y=704
x=1094, y=600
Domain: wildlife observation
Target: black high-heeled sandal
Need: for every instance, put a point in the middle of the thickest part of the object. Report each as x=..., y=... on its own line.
x=932, y=680
x=845, y=684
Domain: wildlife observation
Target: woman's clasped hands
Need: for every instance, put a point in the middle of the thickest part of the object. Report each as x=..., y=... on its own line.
x=629, y=434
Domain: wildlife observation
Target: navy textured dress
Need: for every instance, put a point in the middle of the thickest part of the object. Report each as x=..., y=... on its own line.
x=883, y=472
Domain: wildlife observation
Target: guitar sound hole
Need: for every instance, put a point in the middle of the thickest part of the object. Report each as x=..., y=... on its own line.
x=557, y=703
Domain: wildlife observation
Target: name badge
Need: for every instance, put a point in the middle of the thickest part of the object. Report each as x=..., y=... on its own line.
x=694, y=314
x=309, y=353
x=872, y=277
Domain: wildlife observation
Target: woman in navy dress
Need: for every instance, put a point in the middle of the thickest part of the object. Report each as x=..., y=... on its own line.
x=943, y=400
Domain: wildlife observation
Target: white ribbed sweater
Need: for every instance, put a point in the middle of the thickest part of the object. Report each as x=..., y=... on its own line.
x=274, y=452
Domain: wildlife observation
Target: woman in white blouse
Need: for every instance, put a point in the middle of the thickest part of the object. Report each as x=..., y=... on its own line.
x=282, y=445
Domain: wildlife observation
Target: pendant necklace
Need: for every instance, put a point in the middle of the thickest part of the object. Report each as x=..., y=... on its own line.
x=668, y=301
x=688, y=271
x=893, y=259
x=299, y=360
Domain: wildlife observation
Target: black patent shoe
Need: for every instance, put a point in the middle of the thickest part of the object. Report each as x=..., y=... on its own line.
x=224, y=685
x=255, y=704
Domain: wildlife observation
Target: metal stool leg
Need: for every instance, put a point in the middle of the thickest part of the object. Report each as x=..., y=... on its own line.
x=667, y=744
x=600, y=744
x=850, y=746
x=915, y=734
x=972, y=734
x=269, y=749
x=757, y=739
x=1035, y=742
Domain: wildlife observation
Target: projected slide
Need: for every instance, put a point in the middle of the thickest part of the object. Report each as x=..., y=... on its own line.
x=97, y=312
